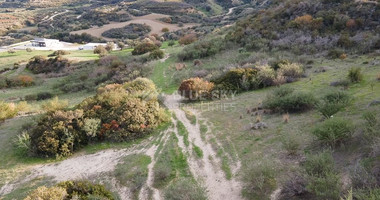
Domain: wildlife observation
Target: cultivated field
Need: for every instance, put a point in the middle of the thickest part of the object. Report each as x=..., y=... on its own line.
x=150, y=20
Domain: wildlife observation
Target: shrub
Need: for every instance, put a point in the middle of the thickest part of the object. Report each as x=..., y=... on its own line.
x=260, y=180
x=22, y=141
x=292, y=70
x=91, y=127
x=123, y=112
x=291, y=144
x=30, y=97
x=85, y=190
x=355, y=75
x=54, y=104
x=185, y=189
x=28, y=50
x=266, y=75
x=44, y=193
x=202, y=49
x=334, y=130
x=332, y=103
x=196, y=88
x=101, y=50
x=44, y=95
x=285, y=100
x=10, y=110
x=59, y=53
x=319, y=164
x=25, y=80
x=39, y=64
x=164, y=30
x=143, y=48
x=171, y=43
x=110, y=46
x=187, y=39
x=58, y=134
x=372, y=125
x=157, y=54
x=11, y=51
x=235, y=79
x=322, y=179
x=335, y=53
x=121, y=45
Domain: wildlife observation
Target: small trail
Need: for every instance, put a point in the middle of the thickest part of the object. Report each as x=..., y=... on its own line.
x=208, y=170
x=151, y=152
x=78, y=167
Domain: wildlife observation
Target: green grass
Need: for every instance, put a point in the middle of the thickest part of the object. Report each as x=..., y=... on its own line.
x=21, y=56
x=190, y=116
x=163, y=72
x=198, y=151
x=203, y=129
x=171, y=163
x=182, y=131
x=133, y=172
x=23, y=190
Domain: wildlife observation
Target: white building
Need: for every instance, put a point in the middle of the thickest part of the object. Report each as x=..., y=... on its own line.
x=43, y=42
x=91, y=46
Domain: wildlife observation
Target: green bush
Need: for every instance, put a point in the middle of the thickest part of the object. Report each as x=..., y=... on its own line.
x=44, y=95
x=156, y=54
x=10, y=110
x=235, y=79
x=185, y=189
x=201, y=49
x=332, y=103
x=260, y=180
x=333, y=131
x=144, y=47
x=323, y=181
x=85, y=190
x=265, y=75
x=372, y=125
x=39, y=64
x=54, y=104
x=59, y=53
x=355, y=75
x=369, y=194
x=285, y=100
x=319, y=164
x=292, y=70
x=171, y=43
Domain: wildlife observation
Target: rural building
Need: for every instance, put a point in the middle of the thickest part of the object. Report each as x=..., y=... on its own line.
x=43, y=42
x=91, y=46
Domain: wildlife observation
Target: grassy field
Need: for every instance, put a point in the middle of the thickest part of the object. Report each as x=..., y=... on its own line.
x=8, y=60
x=232, y=129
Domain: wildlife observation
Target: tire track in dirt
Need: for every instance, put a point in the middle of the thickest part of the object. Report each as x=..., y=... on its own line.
x=152, y=152
x=211, y=175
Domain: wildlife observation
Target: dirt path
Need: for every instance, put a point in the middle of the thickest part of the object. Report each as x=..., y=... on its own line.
x=208, y=170
x=78, y=167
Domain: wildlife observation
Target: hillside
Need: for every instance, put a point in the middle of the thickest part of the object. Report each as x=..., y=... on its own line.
x=192, y=99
